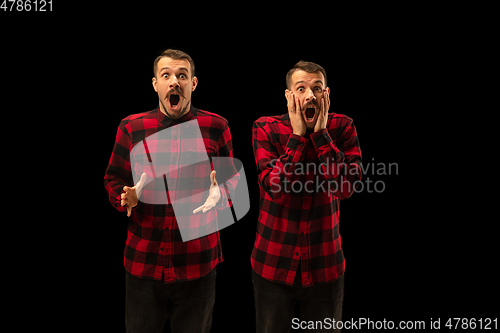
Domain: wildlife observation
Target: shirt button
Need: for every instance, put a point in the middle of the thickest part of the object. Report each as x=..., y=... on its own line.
x=296, y=253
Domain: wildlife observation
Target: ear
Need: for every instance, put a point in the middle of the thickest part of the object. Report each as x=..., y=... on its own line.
x=154, y=84
x=195, y=83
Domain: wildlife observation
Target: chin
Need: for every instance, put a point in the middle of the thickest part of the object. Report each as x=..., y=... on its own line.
x=177, y=112
x=310, y=126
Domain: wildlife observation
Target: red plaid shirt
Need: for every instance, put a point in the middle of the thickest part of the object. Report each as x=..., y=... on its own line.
x=301, y=180
x=154, y=248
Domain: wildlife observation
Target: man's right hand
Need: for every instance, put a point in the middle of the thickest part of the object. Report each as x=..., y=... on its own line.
x=295, y=113
x=132, y=194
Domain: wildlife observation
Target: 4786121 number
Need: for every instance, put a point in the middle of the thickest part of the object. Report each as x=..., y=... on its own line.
x=26, y=5
x=472, y=323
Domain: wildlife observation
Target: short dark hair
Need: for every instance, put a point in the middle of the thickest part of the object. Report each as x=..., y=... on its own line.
x=306, y=66
x=176, y=55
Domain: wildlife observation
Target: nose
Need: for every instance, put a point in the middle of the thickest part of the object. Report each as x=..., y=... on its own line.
x=310, y=96
x=174, y=83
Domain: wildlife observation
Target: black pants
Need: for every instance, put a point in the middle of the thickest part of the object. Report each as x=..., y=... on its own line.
x=275, y=304
x=188, y=305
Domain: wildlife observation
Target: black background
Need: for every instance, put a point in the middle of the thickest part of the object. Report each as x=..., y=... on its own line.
x=413, y=252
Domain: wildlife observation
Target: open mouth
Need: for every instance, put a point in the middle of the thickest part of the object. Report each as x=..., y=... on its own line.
x=174, y=100
x=310, y=112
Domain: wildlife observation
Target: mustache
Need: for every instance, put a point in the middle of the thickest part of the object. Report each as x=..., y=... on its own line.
x=316, y=104
x=177, y=90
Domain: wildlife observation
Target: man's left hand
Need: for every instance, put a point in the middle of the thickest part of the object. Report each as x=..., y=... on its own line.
x=213, y=197
x=324, y=106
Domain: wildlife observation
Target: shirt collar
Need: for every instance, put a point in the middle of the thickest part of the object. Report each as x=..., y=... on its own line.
x=167, y=121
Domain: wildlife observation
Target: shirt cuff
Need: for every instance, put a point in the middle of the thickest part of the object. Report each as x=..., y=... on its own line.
x=321, y=138
x=295, y=141
x=296, y=144
x=323, y=143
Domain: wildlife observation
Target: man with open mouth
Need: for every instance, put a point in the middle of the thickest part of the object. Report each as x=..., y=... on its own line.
x=168, y=279
x=297, y=254
x=174, y=86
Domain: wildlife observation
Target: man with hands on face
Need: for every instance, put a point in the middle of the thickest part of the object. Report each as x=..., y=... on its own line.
x=307, y=160
x=308, y=108
x=167, y=278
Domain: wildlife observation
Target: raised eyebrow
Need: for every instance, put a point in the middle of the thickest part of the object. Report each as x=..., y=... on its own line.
x=317, y=81
x=180, y=69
